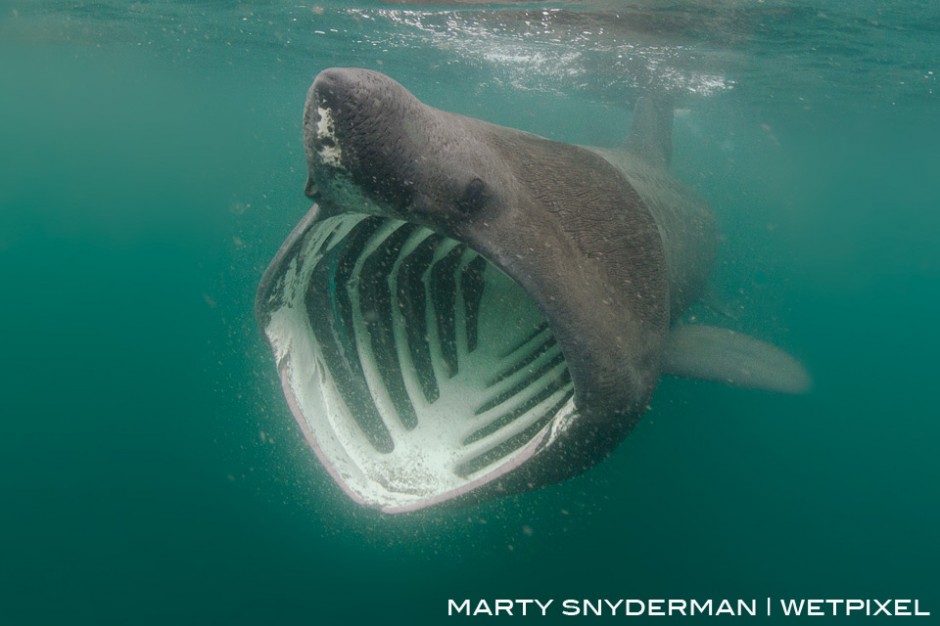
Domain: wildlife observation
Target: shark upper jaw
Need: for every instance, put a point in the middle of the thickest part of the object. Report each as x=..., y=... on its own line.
x=348, y=171
x=372, y=147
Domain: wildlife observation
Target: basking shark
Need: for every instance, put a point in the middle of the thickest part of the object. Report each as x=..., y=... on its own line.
x=470, y=310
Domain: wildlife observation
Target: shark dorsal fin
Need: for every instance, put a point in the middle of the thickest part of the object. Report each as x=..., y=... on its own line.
x=651, y=130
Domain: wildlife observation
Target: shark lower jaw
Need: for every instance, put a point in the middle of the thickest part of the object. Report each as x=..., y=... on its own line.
x=418, y=370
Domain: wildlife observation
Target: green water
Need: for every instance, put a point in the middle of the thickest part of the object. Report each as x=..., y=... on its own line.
x=151, y=164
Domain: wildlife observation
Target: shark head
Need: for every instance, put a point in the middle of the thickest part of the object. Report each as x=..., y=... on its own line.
x=468, y=310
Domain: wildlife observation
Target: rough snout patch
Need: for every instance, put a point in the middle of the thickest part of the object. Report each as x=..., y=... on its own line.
x=330, y=152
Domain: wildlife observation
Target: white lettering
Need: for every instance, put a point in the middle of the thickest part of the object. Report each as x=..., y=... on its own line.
x=483, y=608
x=570, y=607
x=613, y=605
x=854, y=605
x=724, y=608
x=747, y=606
x=835, y=605
x=790, y=607
x=699, y=608
x=677, y=607
x=882, y=608
x=661, y=607
x=637, y=603
x=503, y=605
x=463, y=607
x=596, y=610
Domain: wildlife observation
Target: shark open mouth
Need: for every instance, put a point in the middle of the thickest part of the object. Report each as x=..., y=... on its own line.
x=418, y=370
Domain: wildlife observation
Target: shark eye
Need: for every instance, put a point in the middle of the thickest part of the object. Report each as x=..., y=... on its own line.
x=473, y=195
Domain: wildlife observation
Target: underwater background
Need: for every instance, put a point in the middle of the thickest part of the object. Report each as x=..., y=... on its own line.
x=151, y=164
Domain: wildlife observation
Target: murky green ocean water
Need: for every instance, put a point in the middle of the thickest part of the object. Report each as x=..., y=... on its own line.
x=151, y=164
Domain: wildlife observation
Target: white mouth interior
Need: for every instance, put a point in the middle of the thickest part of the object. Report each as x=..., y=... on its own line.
x=418, y=370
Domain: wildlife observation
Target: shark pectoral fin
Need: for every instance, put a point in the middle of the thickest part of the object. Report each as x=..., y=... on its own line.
x=722, y=355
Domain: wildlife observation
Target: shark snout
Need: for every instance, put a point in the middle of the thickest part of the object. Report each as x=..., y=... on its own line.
x=366, y=130
x=339, y=87
x=327, y=103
